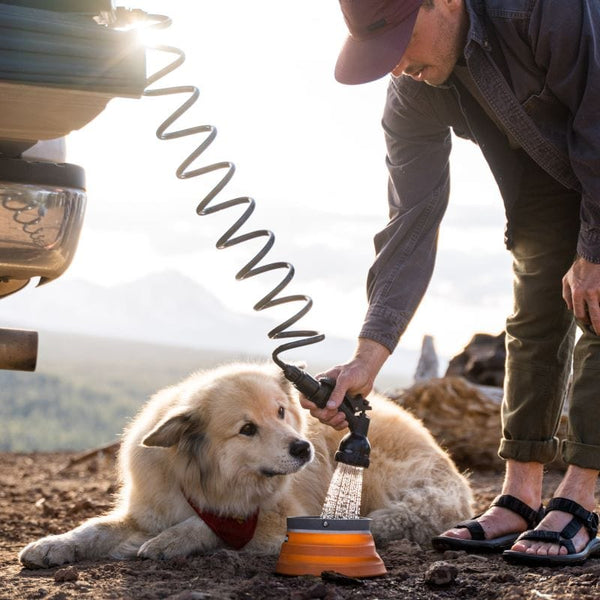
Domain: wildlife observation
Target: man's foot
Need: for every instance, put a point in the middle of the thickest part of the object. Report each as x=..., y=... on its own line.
x=577, y=485
x=500, y=525
x=567, y=535
x=493, y=531
x=568, y=538
x=555, y=520
x=495, y=522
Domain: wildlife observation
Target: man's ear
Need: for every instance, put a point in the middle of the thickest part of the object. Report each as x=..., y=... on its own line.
x=169, y=431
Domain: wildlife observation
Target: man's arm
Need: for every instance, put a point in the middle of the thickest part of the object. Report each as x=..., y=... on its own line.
x=418, y=148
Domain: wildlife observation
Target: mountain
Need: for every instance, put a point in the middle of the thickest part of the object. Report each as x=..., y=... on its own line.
x=168, y=308
x=163, y=308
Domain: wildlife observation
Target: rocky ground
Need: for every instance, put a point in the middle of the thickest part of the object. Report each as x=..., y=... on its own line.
x=38, y=496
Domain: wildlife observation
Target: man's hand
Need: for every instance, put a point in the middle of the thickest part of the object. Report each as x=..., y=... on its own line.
x=355, y=377
x=581, y=292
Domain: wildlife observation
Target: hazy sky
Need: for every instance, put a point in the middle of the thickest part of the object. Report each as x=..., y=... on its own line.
x=310, y=151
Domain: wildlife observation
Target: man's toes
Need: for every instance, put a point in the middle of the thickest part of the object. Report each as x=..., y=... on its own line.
x=457, y=533
x=461, y=533
x=520, y=546
x=547, y=549
x=532, y=548
x=555, y=550
x=541, y=549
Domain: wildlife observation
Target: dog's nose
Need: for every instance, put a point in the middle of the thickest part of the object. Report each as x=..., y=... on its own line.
x=300, y=449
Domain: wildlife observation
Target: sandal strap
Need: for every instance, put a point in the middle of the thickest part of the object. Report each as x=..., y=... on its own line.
x=475, y=529
x=581, y=517
x=551, y=537
x=532, y=517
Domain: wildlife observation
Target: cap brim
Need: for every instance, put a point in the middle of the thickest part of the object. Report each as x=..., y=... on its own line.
x=361, y=61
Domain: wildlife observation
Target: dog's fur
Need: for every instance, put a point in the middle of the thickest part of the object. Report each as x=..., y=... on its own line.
x=234, y=440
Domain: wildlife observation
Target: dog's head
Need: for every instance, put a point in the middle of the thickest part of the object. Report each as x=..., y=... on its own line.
x=240, y=425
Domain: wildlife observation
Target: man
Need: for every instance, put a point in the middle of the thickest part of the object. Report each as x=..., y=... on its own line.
x=521, y=78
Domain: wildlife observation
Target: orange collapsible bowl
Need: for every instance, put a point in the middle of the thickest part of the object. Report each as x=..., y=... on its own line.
x=313, y=545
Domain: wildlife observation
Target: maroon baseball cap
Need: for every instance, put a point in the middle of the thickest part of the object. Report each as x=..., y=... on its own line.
x=379, y=34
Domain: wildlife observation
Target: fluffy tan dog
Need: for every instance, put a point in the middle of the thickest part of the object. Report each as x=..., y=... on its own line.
x=221, y=459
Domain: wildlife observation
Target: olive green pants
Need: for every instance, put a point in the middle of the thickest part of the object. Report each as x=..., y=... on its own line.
x=541, y=333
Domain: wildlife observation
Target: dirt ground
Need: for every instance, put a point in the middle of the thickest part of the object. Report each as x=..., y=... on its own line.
x=38, y=497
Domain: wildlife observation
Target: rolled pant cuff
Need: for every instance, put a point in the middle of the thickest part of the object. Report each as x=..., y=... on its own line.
x=528, y=451
x=581, y=455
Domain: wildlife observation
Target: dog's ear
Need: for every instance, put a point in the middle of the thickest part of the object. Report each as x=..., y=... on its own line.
x=169, y=431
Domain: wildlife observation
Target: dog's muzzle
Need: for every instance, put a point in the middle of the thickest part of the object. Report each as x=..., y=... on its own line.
x=300, y=451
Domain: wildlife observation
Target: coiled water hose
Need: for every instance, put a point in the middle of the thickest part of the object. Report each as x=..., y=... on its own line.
x=355, y=448
x=209, y=205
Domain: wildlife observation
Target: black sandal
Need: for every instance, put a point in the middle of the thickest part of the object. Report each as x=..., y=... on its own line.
x=478, y=542
x=581, y=518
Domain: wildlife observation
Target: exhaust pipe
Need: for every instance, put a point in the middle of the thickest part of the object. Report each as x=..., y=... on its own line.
x=18, y=349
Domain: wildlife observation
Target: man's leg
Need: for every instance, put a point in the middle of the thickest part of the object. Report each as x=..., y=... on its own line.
x=540, y=335
x=581, y=450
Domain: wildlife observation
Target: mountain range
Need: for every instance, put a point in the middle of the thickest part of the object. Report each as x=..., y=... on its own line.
x=168, y=308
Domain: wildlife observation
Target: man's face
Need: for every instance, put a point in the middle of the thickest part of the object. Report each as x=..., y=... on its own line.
x=436, y=44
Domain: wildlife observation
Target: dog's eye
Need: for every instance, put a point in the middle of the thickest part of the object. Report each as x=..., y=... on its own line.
x=281, y=412
x=249, y=429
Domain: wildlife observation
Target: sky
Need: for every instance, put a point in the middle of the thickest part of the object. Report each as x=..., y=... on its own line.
x=309, y=150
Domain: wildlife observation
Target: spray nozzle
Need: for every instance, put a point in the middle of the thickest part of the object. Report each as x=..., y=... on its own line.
x=354, y=448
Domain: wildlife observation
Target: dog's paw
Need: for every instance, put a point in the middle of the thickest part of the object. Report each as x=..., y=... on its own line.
x=163, y=547
x=51, y=551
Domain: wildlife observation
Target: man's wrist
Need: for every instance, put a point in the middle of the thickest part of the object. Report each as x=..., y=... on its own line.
x=371, y=353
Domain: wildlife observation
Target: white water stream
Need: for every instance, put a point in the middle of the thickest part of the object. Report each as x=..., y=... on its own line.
x=344, y=493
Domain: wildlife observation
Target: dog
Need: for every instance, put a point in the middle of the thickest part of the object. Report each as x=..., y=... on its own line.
x=224, y=457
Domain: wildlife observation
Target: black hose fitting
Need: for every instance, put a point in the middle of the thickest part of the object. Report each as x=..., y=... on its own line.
x=354, y=449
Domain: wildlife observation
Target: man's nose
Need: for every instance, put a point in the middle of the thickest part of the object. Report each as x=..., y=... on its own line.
x=399, y=69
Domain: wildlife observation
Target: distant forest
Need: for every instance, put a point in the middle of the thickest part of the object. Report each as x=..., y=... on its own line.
x=85, y=390
x=46, y=412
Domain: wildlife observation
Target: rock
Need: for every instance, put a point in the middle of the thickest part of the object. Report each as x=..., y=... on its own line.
x=481, y=361
x=428, y=365
x=66, y=574
x=440, y=574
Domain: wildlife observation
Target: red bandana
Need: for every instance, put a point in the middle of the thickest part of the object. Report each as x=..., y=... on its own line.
x=234, y=531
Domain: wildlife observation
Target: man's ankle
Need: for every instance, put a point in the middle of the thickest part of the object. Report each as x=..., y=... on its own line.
x=524, y=481
x=578, y=484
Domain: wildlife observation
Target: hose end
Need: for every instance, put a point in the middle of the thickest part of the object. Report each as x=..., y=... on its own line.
x=354, y=449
